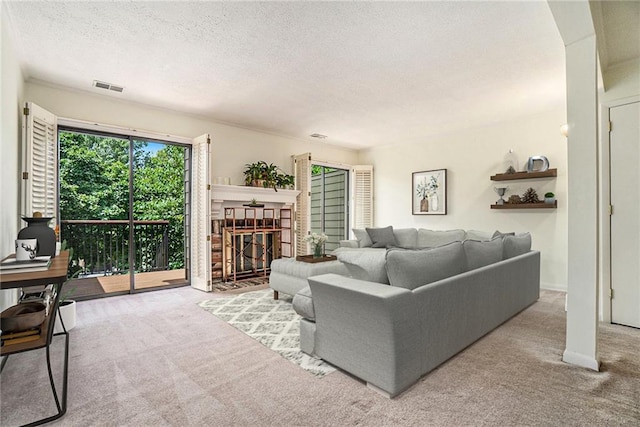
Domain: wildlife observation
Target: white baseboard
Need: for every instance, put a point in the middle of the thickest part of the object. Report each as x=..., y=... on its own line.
x=553, y=286
x=578, y=359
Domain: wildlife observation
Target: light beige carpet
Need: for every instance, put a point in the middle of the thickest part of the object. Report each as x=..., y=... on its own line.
x=157, y=359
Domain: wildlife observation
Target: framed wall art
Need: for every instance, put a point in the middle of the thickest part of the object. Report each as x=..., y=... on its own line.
x=429, y=192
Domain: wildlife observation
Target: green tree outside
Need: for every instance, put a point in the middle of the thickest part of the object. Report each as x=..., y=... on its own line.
x=94, y=184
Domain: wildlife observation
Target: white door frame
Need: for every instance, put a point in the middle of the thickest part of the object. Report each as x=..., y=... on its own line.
x=604, y=203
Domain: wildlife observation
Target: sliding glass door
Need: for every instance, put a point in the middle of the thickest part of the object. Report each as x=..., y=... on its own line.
x=122, y=212
x=329, y=204
x=158, y=212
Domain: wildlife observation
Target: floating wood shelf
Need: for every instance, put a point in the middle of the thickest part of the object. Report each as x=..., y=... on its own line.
x=549, y=173
x=540, y=205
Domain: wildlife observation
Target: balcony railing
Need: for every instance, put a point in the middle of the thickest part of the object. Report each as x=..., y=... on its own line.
x=101, y=247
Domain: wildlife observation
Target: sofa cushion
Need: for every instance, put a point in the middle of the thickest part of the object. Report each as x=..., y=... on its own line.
x=434, y=238
x=497, y=233
x=382, y=237
x=479, y=235
x=364, y=263
x=303, y=303
x=406, y=237
x=411, y=269
x=481, y=253
x=363, y=237
x=516, y=245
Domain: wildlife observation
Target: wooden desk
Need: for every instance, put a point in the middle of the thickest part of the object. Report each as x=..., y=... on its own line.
x=56, y=275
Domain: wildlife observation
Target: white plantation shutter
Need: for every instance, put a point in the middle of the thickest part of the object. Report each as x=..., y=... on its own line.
x=302, y=172
x=39, y=162
x=362, y=196
x=200, y=215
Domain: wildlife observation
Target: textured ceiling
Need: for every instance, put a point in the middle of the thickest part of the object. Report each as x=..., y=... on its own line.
x=363, y=73
x=620, y=29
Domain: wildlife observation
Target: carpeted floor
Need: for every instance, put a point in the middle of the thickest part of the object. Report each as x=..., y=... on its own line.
x=273, y=323
x=157, y=359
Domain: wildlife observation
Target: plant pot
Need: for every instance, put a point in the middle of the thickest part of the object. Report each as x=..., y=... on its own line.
x=68, y=314
x=550, y=200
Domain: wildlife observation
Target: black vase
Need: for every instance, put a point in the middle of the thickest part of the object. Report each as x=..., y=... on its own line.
x=38, y=228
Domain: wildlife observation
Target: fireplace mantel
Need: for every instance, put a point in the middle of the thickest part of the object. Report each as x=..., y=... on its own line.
x=223, y=196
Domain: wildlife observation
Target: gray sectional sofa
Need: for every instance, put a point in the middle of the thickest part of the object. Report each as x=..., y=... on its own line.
x=433, y=303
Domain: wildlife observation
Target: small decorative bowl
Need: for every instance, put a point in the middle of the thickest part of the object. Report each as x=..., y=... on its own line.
x=22, y=317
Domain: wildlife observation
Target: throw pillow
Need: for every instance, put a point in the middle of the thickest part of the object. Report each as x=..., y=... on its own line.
x=479, y=235
x=482, y=253
x=499, y=234
x=365, y=264
x=412, y=269
x=382, y=237
x=406, y=237
x=363, y=237
x=516, y=245
x=434, y=238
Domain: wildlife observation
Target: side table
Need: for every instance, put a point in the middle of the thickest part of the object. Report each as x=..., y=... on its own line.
x=55, y=275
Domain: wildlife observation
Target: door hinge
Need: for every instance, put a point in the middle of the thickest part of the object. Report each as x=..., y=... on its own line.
x=208, y=186
x=309, y=193
x=610, y=210
x=208, y=238
x=208, y=140
x=610, y=126
x=25, y=175
x=26, y=111
x=610, y=293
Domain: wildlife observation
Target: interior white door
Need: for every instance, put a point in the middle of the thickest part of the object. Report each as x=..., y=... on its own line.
x=200, y=237
x=625, y=220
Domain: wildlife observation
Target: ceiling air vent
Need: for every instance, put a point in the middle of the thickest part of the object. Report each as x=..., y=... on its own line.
x=107, y=86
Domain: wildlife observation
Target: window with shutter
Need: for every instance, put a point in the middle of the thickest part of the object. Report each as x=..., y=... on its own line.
x=200, y=243
x=40, y=162
x=362, y=196
x=302, y=173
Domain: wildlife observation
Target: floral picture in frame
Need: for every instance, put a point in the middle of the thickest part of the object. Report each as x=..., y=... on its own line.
x=429, y=192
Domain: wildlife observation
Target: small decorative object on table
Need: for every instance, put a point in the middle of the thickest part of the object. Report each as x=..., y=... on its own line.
x=510, y=162
x=317, y=242
x=530, y=196
x=254, y=204
x=549, y=198
x=501, y=192
x=514, y=199
x=537, y=164
x=38, y=228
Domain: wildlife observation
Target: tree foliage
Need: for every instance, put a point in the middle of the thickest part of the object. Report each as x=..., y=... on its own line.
x=94, y=184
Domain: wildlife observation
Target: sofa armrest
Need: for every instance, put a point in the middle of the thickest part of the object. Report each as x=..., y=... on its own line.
x=368, y=329
x=349, y=243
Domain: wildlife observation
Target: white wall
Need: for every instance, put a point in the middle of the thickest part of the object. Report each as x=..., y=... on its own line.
x=232, y=147
x=11, y=96
x=471, y=157
x=621, y=81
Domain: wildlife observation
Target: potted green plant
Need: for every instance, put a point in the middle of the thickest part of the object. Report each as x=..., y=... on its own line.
x=549, y=198
x=267, y=175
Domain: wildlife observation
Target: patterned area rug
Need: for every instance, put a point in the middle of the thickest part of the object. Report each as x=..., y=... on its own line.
x=273, y=323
